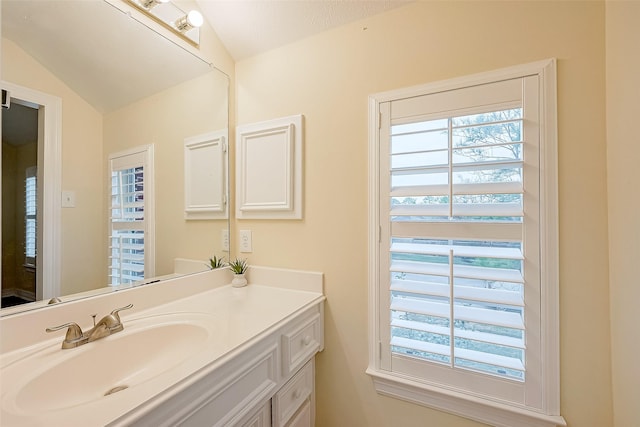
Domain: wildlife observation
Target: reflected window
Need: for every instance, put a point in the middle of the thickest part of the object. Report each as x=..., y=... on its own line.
x=130, y=218
x=30, y=208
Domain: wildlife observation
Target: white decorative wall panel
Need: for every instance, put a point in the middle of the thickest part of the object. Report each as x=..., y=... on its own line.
x=205, y=176
x=269, y=169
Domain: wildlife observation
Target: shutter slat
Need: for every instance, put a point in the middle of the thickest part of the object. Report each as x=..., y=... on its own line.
x=489, y=359
x=130, y=226
x=471, y=335
x=428, y=268
x=458, y=250
x=459, y=209
x=463, y=271
x=420, y=307
x=496, y=296
x=484, y=316
x=472, y=355
x=458, y=189
x=459, y=167
x=505, y=231
x=131, y=267
x=481, y=166
x=420, y=288
x=427, y=347
x=420, y=326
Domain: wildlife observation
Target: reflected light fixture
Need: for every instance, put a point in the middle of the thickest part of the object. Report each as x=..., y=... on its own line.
x=169, y=15
x=191, y=20
x=150, y=4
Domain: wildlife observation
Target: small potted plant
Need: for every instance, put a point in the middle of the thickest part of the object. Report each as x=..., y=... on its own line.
x=238, y=267
x=216, y=262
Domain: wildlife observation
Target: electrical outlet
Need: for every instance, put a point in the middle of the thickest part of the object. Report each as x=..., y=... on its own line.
x=225, y=240
x=245, y=241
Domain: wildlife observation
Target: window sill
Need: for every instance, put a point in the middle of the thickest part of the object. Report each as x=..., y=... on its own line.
x=467, y=406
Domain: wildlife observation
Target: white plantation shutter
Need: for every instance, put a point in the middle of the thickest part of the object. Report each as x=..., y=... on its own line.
x=460, y=250
x=131, y=219
x=30, y=206
x=464, y=169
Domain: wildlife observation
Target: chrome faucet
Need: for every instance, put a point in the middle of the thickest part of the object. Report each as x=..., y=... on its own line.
x=109, y=324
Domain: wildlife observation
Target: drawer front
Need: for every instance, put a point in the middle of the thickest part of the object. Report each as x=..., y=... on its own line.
x=293, y=395
x=300, y=344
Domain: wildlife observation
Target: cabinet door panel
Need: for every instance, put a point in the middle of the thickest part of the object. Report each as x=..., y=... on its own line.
x=303, y=417
x=260, y=419
x=293, y=394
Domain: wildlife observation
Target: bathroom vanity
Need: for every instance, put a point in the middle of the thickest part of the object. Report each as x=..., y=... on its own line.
x=194, y=352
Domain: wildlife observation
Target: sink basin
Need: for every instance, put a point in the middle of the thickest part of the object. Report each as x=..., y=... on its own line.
x=54, y=379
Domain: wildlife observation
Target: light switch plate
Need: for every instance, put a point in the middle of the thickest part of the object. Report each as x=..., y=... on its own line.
x=245, y=241
x=68, y=199
x=225, y=240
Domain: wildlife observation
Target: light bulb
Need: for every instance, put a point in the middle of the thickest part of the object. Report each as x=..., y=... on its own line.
x=191, y=20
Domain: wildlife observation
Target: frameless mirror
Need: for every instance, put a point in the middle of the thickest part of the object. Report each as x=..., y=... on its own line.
x=124, y=89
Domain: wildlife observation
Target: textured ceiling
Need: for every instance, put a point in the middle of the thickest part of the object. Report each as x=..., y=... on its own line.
x=249, y=27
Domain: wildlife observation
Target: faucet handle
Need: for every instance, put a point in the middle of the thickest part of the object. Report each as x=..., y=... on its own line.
x=74, y=332
x=117, y=310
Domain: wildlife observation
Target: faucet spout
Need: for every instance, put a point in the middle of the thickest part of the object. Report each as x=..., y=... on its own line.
x=97, y=332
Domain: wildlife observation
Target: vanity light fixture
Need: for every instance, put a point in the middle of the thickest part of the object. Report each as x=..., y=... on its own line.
x=170, y=16
x=191, y=20
x=150, y=4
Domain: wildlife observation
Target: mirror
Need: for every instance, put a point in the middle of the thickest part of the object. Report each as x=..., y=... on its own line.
x=122, y=86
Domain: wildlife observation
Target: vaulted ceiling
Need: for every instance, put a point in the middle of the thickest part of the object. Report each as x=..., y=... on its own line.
x=249, y=27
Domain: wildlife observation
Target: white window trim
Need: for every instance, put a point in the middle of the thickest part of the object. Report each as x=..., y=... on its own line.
x=476, y=407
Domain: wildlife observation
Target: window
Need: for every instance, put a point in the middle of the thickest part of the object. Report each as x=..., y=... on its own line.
x=464, y=246
x=131, y=248
x=30, y=209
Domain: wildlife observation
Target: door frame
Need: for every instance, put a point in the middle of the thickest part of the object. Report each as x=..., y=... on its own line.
x=49, y=186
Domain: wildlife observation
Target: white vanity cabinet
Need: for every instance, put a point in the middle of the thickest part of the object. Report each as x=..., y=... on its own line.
x=268, y=381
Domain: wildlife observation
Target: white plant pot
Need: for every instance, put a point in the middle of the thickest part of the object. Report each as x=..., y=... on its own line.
x=239, y=281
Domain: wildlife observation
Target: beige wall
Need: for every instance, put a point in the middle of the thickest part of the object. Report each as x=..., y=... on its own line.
x=623, y=153
x=328, y=78
x=82, y=251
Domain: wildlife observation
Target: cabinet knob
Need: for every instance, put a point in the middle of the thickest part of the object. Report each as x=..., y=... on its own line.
x=306, y=340
x=297, y=393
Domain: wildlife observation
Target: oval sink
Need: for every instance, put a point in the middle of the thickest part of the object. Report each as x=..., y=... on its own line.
x=55, y=379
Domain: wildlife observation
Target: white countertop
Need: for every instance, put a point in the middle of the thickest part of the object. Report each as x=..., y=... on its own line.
x=239, y=316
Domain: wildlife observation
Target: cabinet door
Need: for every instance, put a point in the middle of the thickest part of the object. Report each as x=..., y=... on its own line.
x=290, y=398
x=302, y=418
x=261, y=419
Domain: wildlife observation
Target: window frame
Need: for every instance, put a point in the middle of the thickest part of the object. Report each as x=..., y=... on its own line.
x=478, y=407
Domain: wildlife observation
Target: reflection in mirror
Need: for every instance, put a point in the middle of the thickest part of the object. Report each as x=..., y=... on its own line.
x=121, y=90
